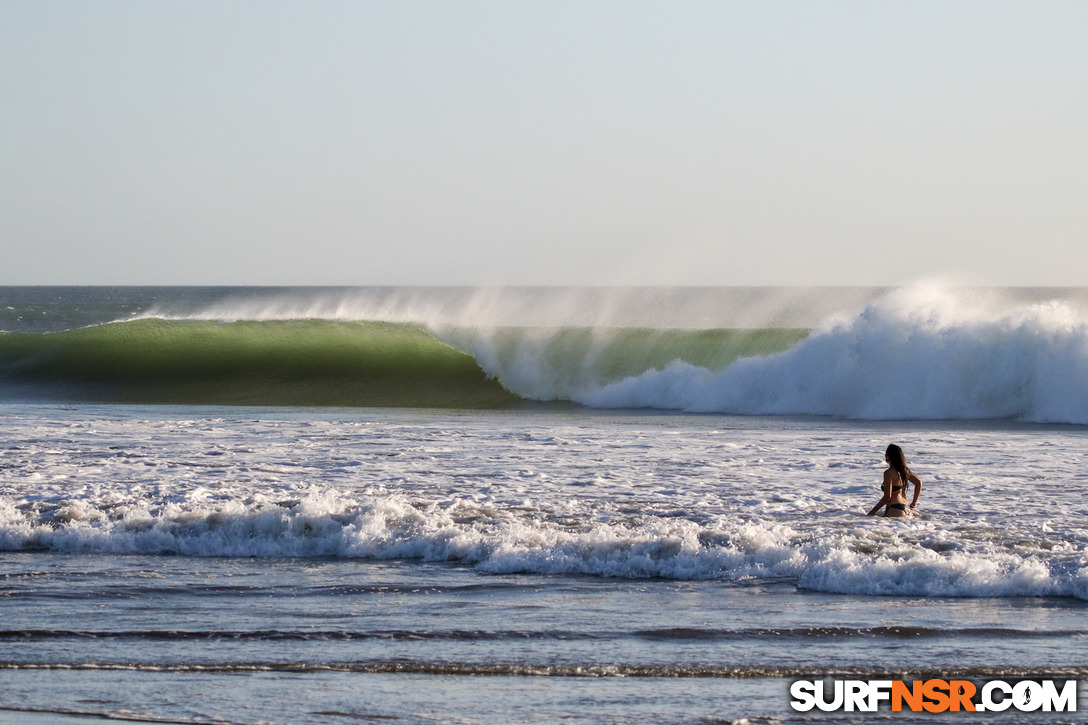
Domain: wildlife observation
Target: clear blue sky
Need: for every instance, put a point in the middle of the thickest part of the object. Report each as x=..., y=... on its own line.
x=549, y=142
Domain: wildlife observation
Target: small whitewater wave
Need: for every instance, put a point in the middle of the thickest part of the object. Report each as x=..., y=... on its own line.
x=511, y=540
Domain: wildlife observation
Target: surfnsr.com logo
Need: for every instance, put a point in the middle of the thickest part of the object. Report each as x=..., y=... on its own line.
x=934, y=695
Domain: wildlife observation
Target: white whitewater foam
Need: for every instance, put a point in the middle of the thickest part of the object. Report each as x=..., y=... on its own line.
x=324, y=522
x=685, y=497
x=919, y=353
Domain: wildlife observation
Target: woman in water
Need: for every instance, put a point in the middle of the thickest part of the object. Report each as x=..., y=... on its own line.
x=895, y=485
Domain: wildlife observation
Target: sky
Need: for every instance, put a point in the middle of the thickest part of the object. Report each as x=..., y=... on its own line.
x=555, y=142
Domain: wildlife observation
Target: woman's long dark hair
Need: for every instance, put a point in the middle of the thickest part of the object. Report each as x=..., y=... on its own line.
x=898, y=462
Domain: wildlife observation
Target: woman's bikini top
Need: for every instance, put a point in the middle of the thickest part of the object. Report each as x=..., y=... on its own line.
x=902, y=485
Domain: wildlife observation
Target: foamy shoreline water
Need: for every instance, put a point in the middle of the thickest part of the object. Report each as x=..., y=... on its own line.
x=542, y=556
x=665, y=496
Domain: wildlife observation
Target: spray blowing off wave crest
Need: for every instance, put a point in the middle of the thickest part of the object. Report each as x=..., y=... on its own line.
x=437, y=308
x=923, y=352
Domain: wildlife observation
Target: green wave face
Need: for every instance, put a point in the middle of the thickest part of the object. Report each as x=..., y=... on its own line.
x=330, y=363
x=318, y=363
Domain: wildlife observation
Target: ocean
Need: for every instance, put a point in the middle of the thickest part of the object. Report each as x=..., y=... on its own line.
x=540, y=505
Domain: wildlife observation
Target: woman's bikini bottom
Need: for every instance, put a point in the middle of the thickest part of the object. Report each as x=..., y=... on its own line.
x=898, y=506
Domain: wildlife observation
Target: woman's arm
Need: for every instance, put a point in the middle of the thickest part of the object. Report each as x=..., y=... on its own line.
x=917, y=489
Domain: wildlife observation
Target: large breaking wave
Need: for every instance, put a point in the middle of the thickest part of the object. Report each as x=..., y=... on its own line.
x=923, y=352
